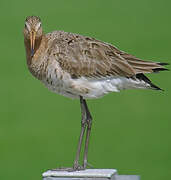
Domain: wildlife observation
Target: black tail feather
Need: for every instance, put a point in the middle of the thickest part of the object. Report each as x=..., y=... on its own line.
x=160, y=69
x=147, y=80
x=156, y=70
x=163, y=64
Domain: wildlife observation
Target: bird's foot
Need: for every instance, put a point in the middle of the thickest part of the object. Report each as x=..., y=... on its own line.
x=70, y=169
x=86, y=164
x=90, y=166
x=78, y=167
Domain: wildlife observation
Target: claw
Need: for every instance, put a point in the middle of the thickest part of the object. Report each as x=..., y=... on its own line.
x=78, y=167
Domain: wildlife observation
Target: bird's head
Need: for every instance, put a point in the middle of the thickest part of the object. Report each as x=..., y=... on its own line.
x=33, y=31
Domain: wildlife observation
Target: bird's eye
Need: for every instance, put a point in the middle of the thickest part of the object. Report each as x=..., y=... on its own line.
x=26, y=26
x=40, y=25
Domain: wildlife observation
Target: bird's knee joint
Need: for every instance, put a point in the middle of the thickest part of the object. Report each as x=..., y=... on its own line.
x=83, y=123
x=89, y=123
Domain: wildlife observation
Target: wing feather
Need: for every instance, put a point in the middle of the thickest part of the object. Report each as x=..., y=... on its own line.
x=85, y=56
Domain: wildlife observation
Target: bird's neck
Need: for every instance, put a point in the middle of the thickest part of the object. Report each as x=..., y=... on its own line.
x=40, y=44
x=34, y=61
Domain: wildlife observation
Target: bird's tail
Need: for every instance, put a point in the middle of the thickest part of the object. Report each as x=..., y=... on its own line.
x=144, y=78
x=150, y=67
x=142, y=66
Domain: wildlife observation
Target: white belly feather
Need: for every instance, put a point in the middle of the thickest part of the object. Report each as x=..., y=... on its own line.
x=61, y=82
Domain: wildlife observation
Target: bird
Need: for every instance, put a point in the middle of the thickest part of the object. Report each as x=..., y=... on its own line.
x=82, y=67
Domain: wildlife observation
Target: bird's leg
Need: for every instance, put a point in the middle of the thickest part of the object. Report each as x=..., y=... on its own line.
x=83, y=126
x=89, y=123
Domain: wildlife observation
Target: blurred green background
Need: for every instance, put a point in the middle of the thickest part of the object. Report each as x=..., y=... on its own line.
x=39, y=129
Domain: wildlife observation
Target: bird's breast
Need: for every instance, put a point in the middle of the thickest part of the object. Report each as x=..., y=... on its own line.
x=54, y=78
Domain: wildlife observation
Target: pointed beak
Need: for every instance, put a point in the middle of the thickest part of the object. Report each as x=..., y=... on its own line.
x=32, y=41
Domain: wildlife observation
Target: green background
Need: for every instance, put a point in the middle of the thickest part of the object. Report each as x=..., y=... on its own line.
x=39, y=129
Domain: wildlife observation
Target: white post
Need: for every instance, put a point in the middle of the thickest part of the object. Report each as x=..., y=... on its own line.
x=88, y=174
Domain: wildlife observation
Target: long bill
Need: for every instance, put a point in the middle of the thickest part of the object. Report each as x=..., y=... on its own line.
x=32, y=42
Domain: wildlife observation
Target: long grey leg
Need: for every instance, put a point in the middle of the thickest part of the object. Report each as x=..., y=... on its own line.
x=89, y=123
x=83, y=126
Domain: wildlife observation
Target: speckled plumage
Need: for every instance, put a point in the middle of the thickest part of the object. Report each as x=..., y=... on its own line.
x=74, y=65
